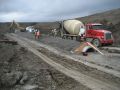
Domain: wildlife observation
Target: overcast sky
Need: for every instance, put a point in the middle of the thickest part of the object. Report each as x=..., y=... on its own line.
x=52, y=10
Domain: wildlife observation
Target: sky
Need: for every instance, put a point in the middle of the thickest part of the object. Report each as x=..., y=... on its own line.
x=52, y=10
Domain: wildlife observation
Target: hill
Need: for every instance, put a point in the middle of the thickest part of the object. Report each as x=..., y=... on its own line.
x=111, y=16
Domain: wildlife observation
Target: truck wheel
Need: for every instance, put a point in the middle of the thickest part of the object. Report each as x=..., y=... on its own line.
x=96, y=42
x=89, y=39
x=77, y=38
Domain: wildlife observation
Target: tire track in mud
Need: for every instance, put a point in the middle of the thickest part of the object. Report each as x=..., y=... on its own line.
x=84, y=79
x=92, y=72
x=61, y=47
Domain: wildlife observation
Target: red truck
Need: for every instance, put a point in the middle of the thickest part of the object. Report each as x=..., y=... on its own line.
x=95, y=33
x=98, y=34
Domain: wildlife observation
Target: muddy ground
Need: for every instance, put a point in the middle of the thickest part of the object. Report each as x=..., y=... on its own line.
x=93, y=72
x=67, y=46
x=68, y=63
x=56, y=42
x=22, y=70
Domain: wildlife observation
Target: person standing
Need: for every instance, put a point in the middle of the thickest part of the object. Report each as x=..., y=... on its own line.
x=37, y=34
x=82, y=32
x=54, y=32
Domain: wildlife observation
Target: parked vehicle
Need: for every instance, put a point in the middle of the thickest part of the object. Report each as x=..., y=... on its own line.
x=95, y=33
x=30, y=29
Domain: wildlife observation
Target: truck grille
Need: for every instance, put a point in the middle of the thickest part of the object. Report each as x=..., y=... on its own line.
x=108, y=36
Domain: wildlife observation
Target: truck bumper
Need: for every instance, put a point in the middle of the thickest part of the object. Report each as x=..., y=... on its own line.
x=107, y=41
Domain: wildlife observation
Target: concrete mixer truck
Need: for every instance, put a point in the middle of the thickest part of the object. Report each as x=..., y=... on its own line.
x=95, y=33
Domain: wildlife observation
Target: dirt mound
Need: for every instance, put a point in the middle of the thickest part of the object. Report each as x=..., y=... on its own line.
x=117, y=33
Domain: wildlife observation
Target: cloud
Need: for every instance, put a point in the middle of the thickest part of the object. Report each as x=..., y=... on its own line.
x=51, y=10
x=12, y=16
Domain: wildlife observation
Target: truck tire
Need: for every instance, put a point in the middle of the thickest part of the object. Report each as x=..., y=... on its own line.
x=77, y=38
x=89, y=39
x=96, y=42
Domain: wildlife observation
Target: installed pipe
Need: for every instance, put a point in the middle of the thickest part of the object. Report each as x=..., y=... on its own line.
x=94, y=48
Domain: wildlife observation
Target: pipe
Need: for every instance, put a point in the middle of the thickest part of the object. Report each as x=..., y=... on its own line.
x=94, y=48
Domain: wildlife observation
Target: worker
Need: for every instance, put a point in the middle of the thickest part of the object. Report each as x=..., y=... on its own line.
x=54, y=32
x=82, y=32
x=37, y=34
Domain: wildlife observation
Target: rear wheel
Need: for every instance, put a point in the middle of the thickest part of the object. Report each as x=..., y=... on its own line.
x=77, y=38
x=96, y=42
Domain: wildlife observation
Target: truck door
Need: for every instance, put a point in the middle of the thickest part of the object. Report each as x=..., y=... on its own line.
x=88, y=31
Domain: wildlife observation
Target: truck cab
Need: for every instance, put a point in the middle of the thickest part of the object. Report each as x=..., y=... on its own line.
x=98, y=34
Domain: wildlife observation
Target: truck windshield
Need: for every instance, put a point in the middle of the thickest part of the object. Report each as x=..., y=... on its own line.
x=99, y=27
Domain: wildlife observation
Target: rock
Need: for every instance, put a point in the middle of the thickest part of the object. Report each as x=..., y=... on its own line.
x=24, y=78
x=10, y=79
x=30, y=87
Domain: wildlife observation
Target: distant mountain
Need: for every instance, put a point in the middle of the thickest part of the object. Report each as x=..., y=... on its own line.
x=47, y=25
x=111, y=16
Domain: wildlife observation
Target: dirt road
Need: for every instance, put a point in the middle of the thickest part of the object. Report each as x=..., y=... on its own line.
x=109, y=60
x=83, y=78
x=20, y=69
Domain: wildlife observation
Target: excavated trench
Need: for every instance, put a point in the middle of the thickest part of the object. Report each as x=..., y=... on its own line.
x=22, y=70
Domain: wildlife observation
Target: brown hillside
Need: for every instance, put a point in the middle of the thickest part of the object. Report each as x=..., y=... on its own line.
x=111, y=16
